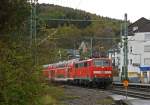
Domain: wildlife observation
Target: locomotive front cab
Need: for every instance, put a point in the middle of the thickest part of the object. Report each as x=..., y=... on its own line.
x=102, y=71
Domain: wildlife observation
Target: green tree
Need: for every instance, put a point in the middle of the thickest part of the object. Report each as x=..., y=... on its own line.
x=13, y=13
x=20, y=80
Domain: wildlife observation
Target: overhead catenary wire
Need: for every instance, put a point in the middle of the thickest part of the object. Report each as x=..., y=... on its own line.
x=76, y=20
x=78, y=4
x=98, y=38
x=48, y=37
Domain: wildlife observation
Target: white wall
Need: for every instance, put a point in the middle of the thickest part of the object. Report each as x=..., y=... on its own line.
x=137, y=42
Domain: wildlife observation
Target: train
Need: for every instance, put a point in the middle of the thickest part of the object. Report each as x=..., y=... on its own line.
x=89, y=72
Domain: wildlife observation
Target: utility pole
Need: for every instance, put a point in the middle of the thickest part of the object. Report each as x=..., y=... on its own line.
x=91, y=47
x=121, y=33
x=31, y=23
x=33, y=33
x=59, y=54
x=96, y=38
x=125, y=49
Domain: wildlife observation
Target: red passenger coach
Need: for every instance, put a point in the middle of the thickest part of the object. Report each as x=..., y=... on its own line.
x=46, y=71
x=95, y=71
x=62, y=71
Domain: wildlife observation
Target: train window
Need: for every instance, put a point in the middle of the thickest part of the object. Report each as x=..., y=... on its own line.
x=106, y=63
x=76, y=65
x=88, y=64
x=98, y=62
x=85, y=64
x=61, y=65
x=81, y=64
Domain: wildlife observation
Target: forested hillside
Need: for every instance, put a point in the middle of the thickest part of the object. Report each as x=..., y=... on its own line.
x=67, y=28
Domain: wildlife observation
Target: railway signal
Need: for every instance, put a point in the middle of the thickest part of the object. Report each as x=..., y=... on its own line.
x=125, y=84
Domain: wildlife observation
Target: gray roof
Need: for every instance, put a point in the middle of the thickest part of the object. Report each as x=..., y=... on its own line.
x=143, y=25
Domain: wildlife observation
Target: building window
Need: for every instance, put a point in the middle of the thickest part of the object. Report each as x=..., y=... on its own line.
x=145, y=74
x=146, y=61
x=147, y=48
x=135, y=28
x=131, y=61
x=131, y=49
x=147, y=37
x=118, y=60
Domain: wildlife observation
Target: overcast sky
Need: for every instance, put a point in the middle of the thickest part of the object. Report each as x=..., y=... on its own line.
x=110, y=8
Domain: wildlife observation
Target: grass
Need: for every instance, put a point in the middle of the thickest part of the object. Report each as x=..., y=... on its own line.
x=106, y=101
x=48, y=100
x=54, y=95
x=71, y=97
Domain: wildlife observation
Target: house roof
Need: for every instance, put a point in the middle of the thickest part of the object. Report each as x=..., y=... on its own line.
x=145, y=28
x=141, y=25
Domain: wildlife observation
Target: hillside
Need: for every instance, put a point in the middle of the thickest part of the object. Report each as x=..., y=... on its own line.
x=54, y=22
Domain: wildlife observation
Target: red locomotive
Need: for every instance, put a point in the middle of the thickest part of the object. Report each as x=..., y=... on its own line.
x=95, y=71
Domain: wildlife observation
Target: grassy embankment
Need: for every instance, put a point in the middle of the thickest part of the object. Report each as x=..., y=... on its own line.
x=106, y=101
x=55, y=95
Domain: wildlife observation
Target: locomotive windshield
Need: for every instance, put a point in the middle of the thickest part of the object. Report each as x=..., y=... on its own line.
x=101, y=62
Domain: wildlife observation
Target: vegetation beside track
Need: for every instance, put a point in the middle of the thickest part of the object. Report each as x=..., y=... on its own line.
x=106, y=101
x=52, y=95
x=55, y=95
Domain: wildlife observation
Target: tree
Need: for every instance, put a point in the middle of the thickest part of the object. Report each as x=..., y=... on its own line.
x=13, y=14
x=20, y=79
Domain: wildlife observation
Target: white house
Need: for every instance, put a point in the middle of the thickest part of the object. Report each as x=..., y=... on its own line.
x=138, y=52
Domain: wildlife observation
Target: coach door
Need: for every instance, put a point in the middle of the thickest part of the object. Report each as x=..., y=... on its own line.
x=52, y=74
x=88, y=69
x=67, y=71
x=76, y=70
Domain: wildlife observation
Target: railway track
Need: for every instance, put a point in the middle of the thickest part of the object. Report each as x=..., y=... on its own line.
x=108, y=92
x=134, y=90
x=132, y=93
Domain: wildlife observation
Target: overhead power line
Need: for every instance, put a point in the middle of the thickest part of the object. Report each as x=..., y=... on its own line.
x=78, y=4
x=48, y=37
x=76, y=20
x=100, y=38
